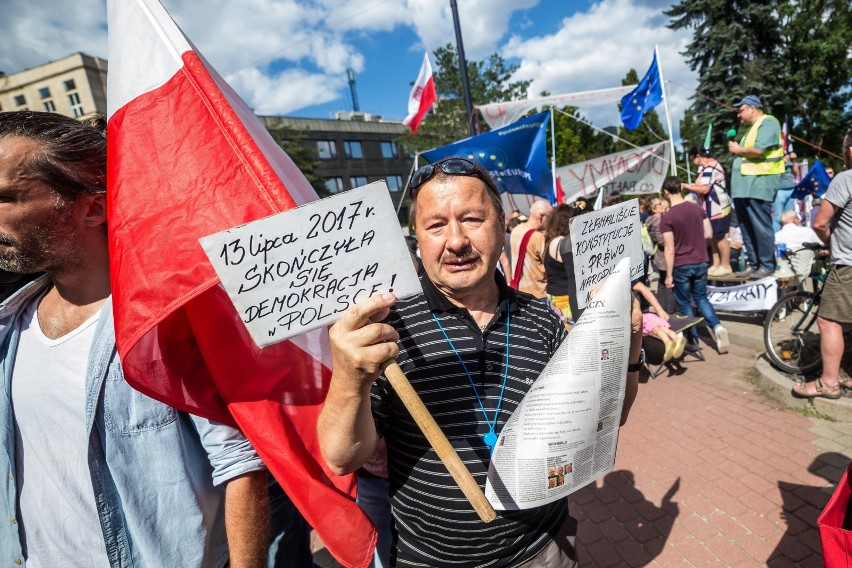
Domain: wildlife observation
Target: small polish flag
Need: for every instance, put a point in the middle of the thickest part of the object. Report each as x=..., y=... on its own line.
x=422, y=97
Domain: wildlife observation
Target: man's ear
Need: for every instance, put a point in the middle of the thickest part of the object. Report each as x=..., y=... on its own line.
x=94, y=210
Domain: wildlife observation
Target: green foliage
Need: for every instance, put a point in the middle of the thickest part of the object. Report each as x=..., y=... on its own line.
x=794, y=54
x=576, y=141
x=818, y=59
x=490, y=81
x=303, y=154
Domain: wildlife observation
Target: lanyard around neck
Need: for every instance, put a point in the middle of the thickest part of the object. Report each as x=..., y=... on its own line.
x=490, y=438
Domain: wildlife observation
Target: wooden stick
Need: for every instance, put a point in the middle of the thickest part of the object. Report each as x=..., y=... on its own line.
x=439, y=441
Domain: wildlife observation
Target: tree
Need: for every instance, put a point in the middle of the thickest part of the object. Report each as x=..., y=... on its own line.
x=576, y=141
x=304, y=155
x=490, y=81
x=794, y=54
x=817, y=35
x=736, y=49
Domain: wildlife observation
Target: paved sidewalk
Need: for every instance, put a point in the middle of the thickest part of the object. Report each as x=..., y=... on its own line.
x=711, y=472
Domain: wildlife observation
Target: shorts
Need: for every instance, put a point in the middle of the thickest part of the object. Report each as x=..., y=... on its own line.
x=836, y=301
x=650, y=322
x=720, y=227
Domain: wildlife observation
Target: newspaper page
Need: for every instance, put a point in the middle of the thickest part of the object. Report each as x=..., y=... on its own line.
x=564, y=433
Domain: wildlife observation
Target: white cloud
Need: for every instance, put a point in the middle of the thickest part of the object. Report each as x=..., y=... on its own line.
x=596, y=49
x=483, y=23
x=286, y=92
x=33, y=32
x=283, y=55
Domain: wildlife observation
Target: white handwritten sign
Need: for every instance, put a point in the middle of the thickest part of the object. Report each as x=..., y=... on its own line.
x=299, y=270
x=600, y=239
x=753, y=296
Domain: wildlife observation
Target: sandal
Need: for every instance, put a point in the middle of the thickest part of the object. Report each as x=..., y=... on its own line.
x=800, y=390
x=670, y=348
x=846, y=383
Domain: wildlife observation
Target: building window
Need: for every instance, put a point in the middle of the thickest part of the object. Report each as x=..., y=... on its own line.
x=334, y=184
x=394, y=183
x=70, y=85
x=20, y=100
x=327, y=149
x=49, y=106
x=389, y=150
x=44, y=93
x=353, y=149
x=357, y=181
x=76, y=105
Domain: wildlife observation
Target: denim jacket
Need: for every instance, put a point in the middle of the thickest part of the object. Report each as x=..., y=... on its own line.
x=157, y=473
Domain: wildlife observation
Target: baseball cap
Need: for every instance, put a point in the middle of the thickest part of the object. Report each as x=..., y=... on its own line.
x=750, y=100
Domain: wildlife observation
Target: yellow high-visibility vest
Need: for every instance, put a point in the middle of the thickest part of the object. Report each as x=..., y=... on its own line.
x=771, y=163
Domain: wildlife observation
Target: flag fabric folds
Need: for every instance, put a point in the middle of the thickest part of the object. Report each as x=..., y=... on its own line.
x=188, y=158
x=647, y=94
x=501, y=114
x=515, y=155
x=814, y=183
x=423, y=96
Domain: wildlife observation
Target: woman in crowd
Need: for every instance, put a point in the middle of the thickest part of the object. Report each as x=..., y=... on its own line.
x=710, y=191
x=561, y=286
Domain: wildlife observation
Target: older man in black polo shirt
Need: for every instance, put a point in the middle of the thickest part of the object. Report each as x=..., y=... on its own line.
x=471, y=347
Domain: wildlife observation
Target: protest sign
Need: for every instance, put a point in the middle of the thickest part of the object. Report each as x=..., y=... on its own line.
x=299, y=270
x=599, y=240
x=754, y=296
x=636, y=171
x=564, y=434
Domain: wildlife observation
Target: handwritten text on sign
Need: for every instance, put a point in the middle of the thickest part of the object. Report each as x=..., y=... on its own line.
x=600, y=239
x=750, y=297
x=300, y=269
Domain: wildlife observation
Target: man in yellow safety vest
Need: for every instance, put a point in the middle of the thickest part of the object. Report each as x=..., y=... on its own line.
x=755, y=175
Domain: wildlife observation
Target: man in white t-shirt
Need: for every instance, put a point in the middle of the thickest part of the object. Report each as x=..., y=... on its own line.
x=793, y=236
x=96, y=473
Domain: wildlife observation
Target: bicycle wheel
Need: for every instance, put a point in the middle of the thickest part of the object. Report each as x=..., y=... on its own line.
x=791, y=334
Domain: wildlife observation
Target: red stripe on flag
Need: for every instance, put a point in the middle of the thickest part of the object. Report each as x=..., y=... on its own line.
x=427, y=98
x=182, y=166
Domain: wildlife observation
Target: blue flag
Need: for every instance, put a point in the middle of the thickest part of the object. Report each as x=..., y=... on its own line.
x=515, y=156
x=647, y=94
x=814, y=183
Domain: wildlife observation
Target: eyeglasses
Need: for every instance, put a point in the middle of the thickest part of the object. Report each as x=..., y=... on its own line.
x=450, y=166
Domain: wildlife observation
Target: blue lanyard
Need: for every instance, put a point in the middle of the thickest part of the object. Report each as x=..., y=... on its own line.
x=490, y=438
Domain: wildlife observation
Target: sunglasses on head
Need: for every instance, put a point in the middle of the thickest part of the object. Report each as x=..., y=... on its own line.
x=450, y=166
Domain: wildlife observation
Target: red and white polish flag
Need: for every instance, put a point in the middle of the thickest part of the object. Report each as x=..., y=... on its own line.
x=423, y=96
x=188, y=158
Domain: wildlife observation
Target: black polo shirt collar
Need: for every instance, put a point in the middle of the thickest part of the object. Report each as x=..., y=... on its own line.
x=439, y=304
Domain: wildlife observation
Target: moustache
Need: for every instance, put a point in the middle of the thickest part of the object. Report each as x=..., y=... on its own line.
x=464, y=257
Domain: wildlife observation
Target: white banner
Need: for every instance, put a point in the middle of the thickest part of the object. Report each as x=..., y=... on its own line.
x=632, y=172
x=750, y=297
x=498, y=115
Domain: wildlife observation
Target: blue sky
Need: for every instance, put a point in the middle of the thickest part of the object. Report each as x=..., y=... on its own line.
x=290, y=56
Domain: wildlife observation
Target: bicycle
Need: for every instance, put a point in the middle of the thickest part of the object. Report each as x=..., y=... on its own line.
x=790, y=330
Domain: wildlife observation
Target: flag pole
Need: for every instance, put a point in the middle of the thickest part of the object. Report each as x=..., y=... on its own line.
x=468, y=104
x=553, y=152
x=673, y=159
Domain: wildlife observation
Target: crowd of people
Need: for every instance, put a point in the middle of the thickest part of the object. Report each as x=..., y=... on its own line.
x=101, y=474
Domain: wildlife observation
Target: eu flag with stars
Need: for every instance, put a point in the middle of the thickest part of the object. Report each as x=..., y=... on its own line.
x=647, y=94
x=814, y=183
